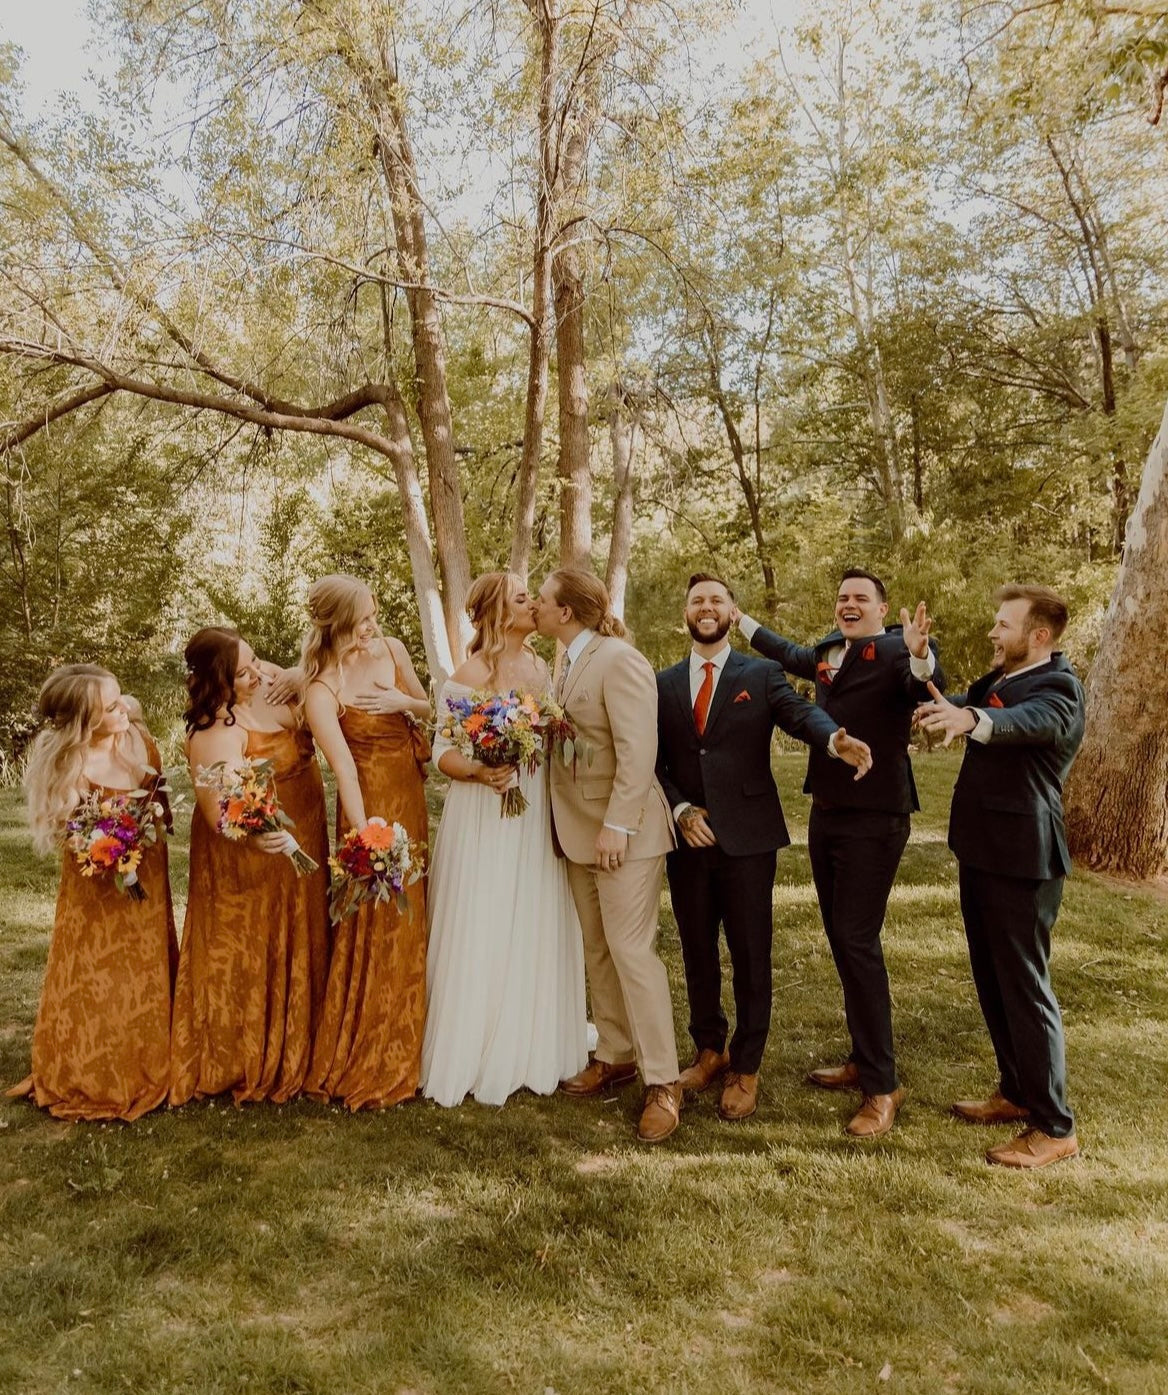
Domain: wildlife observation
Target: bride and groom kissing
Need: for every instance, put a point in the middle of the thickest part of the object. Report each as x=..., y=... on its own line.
x=518, y=906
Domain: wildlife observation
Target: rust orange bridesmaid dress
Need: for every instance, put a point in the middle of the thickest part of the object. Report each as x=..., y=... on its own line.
x=101, y=1044
x=254, y=956
x=369, y=1047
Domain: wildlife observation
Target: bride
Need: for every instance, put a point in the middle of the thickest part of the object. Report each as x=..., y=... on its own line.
x=505, y=970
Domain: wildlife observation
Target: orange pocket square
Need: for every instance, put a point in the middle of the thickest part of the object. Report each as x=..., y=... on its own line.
x=869, y=652
x=743, y=696
x=995, y=701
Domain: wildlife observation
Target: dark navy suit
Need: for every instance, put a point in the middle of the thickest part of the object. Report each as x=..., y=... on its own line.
x=727, y=771
x=1006, y=829
x=858, y=828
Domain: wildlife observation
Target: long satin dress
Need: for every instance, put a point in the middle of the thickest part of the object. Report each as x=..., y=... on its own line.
x=255, y=943
x=369, y=1047
x=101, y=1044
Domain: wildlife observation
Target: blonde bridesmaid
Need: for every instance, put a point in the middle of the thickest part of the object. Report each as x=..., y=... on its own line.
x=255, y=940
x=101, y=1044
x=363, y=702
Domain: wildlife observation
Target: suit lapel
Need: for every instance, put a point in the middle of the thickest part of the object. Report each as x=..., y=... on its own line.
x=679, y=689
x=579, y=666
x=730, y=671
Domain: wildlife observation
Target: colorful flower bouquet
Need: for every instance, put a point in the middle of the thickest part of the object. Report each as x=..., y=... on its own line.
x=373, y=863
x=248, y=804
x=508, y=729
x=108, y=835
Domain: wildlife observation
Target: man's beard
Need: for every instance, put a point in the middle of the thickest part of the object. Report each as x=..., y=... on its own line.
x=718, y=635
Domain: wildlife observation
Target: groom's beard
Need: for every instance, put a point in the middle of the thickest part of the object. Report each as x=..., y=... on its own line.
x=715, y=636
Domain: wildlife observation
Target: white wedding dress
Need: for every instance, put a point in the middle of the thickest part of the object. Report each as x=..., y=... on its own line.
x=505, y=970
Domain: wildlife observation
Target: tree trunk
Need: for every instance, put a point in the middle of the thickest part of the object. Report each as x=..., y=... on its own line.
x=575, y=465
x=543, y=332
x=1117, y=795
x=383, y=91
x=624, y=426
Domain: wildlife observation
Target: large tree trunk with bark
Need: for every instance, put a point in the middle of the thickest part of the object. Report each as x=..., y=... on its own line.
x=1117, y=795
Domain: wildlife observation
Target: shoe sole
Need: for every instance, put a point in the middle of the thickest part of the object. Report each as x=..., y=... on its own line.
x=659, y=1138
x=831, y=1084
x=987, y=1119
x=614, y=1084
x=1032, y=1166
x=737, y=1118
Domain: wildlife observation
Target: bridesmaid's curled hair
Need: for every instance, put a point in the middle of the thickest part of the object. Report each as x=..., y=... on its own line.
x=588, y=598
x=212, y=656
x=487, y=604
x=70, y=705
x=336, y=606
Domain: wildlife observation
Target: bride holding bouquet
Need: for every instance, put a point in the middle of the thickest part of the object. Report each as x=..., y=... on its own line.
x=505, y=971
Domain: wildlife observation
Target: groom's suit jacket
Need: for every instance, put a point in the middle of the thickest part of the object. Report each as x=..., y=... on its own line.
x=611, y=697
x=727, y=770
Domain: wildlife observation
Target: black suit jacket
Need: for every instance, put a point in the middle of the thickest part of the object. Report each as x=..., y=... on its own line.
x=872, y=697
x=1007, y=812
x=728, y=769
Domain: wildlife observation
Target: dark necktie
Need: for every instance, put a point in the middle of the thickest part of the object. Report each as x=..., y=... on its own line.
x=702, y=701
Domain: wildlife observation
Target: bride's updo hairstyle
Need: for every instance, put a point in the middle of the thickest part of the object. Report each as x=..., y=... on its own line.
x=587, y=596
x=488, y=603
x=212, y=657
x=336, y=605
x=70, y=706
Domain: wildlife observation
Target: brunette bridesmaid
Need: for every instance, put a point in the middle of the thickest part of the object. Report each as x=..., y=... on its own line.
x=255, y=940
x=363, y=701
x=101, y=1044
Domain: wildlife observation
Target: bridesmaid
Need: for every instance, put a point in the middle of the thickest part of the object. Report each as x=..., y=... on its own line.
x=101, y=1045
x=255, y=940
x=362, y=698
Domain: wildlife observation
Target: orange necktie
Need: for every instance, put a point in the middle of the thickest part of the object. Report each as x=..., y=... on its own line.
x=702, y=701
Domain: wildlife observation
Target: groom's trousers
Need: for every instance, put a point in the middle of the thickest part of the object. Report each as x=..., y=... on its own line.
x=629, y=987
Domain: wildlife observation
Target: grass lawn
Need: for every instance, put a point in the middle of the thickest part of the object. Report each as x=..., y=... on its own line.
x=538, y=1248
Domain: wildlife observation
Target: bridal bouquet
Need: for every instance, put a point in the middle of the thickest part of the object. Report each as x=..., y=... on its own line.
x=248, y=804
x=108, y=835
x=507, y=729
x=373, y=863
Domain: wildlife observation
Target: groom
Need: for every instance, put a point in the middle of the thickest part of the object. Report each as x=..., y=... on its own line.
x=613, y=824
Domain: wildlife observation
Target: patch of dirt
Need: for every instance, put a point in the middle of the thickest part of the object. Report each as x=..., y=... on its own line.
x=593, y=1163
x=964, y=1236
x=776, y=1276
x=1022, y=1307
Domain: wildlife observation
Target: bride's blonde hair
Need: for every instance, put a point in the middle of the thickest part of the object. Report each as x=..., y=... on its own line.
x=488, y=605
x=70, y=703
x=336, y=606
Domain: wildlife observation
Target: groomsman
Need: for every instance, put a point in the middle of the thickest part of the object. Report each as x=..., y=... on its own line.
x=869, y=679
x=716, y=712
x=610, y=819
x=1024, y=723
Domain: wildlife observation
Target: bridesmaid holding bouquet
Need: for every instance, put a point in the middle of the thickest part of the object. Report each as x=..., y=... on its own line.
x=363, y=702
x=255, y=940
x=101, y=1044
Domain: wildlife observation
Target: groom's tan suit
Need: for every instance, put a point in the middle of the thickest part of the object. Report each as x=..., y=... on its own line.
x=610, y=694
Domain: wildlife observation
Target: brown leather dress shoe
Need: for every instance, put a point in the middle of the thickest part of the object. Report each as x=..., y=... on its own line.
x=1033, y=1148
x=662, y=1112
x=845, y=1077
x=704, y=1069
x=995, y=1110
x=739, y=1096
x=875, y=1116
x=598, y=1076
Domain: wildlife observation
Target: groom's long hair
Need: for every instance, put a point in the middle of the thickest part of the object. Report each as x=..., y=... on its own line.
x=588, y=598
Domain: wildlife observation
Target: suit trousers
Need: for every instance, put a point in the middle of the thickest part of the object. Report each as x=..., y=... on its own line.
x=854, y=857
x=709, y=888
x=627, y=981
x=1008, y=922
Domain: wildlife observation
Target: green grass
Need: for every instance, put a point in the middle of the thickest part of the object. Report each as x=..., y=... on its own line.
x=538, y=1248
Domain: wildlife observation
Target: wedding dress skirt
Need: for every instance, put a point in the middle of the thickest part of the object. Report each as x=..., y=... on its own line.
x=505, y=969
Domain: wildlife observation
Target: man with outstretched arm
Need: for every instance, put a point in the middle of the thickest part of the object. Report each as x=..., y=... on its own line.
x=868, y=679
x=716, y=713
x=1023, y=722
